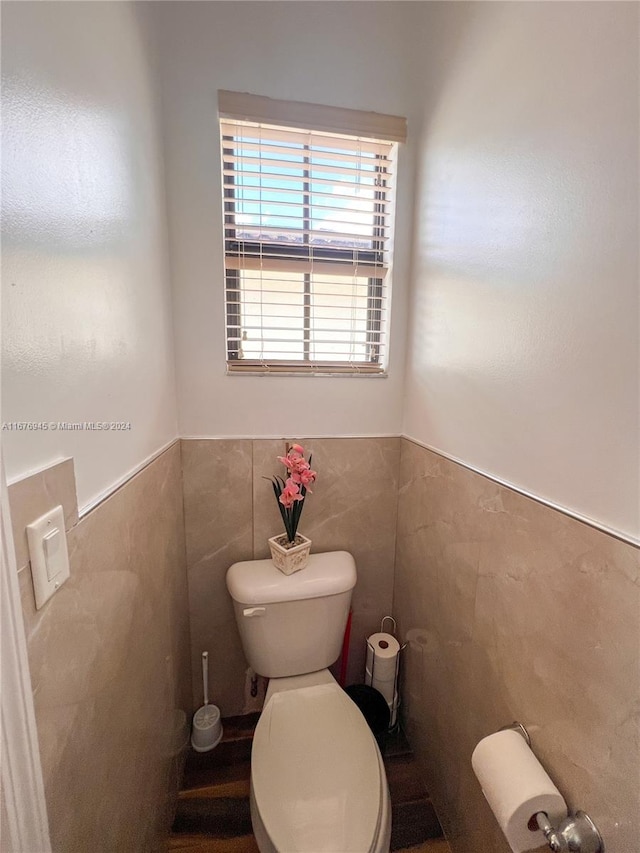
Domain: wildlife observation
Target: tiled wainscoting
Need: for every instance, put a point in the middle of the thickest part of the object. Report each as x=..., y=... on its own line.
x=230, y=512
x=109, y=658
x=510, y=610
x=515, y=611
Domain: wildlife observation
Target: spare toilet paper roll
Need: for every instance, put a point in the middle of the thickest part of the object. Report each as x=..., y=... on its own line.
x=516, y=787
x=382, y=656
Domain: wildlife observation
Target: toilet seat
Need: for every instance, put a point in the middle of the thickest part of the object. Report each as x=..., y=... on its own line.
x=317, y=782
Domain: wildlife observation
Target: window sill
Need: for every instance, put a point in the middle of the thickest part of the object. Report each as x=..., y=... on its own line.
x=317, y=372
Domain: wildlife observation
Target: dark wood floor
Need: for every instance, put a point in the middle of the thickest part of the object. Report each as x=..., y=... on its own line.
x=213, y=806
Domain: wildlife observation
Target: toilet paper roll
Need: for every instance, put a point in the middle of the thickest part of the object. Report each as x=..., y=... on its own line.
x=382, y=657
x=516, y=786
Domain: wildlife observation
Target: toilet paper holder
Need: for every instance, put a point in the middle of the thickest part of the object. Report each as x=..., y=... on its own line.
x=403, y=646
x=576, y=833
x=370, y=675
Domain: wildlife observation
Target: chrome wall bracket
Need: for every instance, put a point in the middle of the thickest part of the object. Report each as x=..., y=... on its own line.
x=576, y=834
x=517, y=727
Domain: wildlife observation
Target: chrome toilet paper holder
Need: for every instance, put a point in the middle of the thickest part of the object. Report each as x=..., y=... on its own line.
x=576, y=833
x=402, y=647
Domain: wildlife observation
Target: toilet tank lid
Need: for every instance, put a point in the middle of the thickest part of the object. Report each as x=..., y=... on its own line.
x=259, y=582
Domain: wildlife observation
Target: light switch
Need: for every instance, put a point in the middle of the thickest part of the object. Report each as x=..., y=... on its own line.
x=51, y=546
x=48, y=553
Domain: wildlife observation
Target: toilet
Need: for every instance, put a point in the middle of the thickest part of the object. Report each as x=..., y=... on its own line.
x=318, y=783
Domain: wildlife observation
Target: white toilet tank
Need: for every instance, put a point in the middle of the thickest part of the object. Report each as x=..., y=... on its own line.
x=292, y=624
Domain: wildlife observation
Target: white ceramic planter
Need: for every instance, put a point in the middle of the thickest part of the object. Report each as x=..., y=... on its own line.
x=292, y=559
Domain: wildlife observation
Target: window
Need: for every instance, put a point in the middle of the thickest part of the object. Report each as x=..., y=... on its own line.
x=307, y=235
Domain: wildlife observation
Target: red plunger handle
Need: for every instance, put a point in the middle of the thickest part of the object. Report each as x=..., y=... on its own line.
x=345, y=650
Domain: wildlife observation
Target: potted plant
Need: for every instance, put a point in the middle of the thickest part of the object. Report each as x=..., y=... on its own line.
x=290, y=550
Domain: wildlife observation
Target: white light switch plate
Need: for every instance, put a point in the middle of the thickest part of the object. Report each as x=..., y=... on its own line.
x=48, y=552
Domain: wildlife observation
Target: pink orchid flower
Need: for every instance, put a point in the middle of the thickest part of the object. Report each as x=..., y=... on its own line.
x=299, y=463
x=287, y=461
x=290, y=493
x=294, y=460
x=304, y=476
x=291, y=459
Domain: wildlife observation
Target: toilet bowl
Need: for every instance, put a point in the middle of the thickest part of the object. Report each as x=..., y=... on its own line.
x=318, y=783
x=317, y=778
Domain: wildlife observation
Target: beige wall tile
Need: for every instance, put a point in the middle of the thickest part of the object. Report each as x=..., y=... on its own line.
x=32, y=496
x=217, y=480
x=109, y=660
x=512, y=610
x=267, y=520
x=353, y=508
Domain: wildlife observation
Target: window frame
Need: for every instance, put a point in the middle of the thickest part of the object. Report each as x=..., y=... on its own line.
x=335, y=260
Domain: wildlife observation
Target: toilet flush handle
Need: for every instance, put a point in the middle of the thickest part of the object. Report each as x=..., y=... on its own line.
x=254, y=611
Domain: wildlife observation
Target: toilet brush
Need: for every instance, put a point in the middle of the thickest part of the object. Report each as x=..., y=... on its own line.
x=207, y=726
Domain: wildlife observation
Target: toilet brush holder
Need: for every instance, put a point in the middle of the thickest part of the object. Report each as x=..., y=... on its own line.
x=206, y=732
x=207, y=728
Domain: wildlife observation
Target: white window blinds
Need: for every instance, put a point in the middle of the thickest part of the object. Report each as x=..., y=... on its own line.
x=307, y=235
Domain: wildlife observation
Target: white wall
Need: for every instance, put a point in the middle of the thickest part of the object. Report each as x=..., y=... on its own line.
x=523, y=354
x=87, y=332
x=523, y=351
x=343, y=54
